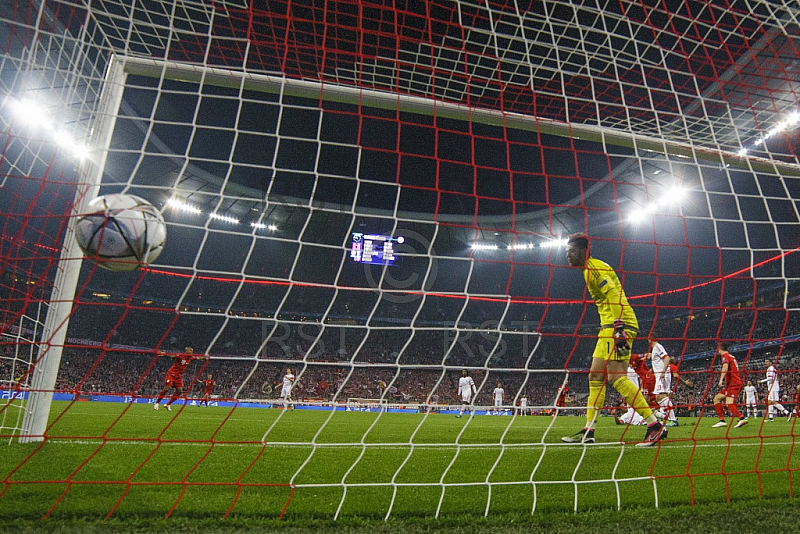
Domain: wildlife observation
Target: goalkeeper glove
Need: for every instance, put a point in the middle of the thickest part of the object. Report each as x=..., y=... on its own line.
x=621, y=339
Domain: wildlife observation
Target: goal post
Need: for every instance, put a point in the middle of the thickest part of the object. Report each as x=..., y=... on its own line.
x=54, y=331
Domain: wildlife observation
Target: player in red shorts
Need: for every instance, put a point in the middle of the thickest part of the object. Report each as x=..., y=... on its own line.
x=208, y=383
x=649, y=387
x=647, y=380
x=638, y=363
x=174, y=378
x=728, y=393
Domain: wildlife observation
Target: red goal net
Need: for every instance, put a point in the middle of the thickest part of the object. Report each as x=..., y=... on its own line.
x=366, y=202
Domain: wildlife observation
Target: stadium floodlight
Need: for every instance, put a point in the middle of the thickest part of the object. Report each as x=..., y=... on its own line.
x=675, y=194
x=183, y=206
x=272, y=228
x=31, y=114
x=224, y=218
x=636, y=216
x=640, y=214
x=554, y=243
x=66, y=141
x=789, y=122
x=258, y=226
x=483, y=246
x=35, y=115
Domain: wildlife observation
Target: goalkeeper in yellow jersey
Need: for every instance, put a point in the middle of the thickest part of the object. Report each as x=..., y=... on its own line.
x=618, y=329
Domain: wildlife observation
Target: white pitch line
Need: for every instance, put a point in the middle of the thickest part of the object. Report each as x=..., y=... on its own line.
x=405, y=446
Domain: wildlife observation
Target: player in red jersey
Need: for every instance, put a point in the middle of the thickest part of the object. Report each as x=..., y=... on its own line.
x=796, y=410
x=208, y=384
x=647, y=379
x=174, y=378
x=563, y=397
x=733, y=385
x=649, y=387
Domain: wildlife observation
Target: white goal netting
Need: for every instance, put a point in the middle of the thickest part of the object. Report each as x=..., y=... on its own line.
x=375, y=197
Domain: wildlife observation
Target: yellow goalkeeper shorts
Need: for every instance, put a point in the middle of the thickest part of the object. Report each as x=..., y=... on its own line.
x=605, y=348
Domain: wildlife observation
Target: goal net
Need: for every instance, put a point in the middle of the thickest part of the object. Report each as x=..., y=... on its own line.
x=367, y=203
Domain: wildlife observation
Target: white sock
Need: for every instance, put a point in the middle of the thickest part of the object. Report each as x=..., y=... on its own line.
x=666, y=407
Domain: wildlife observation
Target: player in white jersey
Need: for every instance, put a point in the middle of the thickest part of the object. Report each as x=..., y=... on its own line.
x=286, y=389
x=498, y=397
x=773, y=391
x=466, y=387
x=751, y=399
x=523, y=405
x=630, y=418
x=659, y=361
x=633, y=376
x=629, y=415
x=433, y=403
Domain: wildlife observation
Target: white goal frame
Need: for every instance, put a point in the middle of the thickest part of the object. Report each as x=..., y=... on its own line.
x=54, y=333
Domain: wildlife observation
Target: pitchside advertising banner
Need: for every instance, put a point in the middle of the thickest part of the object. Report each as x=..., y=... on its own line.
x=12, y=395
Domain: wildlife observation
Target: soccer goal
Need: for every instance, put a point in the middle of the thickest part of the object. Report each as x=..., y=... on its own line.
x=369, y=203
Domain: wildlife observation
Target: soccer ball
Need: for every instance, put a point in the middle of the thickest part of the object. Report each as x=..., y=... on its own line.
x=121, y=232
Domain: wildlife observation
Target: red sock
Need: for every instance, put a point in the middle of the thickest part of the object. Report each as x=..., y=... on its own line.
x=720, y=411
x=160, y=397
x=173, y=398
x=735, y=410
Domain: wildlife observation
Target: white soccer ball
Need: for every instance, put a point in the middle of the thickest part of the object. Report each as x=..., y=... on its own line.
x=121, y=232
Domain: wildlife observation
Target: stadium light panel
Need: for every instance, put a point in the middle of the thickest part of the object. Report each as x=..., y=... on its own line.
x=183, y=206
x=675, y=194
x=66, y=141
x=553, y=243
x=638, y=216
x=31, y=114
x=34, y=115
x=791, y=121
x=224, y=218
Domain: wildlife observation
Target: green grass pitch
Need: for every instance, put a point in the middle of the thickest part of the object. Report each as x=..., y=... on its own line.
x=127, y=462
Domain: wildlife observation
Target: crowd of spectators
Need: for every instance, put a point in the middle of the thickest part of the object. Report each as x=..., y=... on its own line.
x=114, y=351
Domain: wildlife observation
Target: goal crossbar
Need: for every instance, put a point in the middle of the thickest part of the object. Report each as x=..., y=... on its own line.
x=277, y=84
